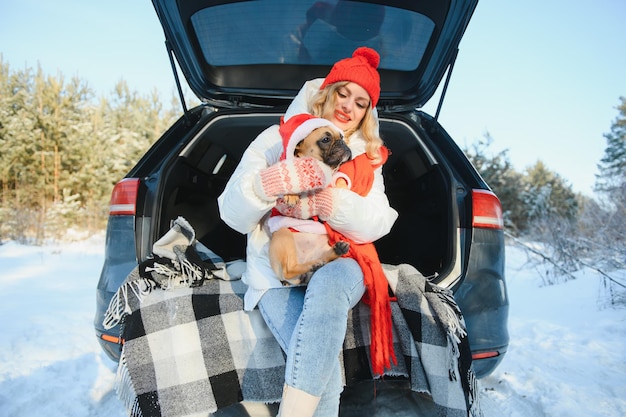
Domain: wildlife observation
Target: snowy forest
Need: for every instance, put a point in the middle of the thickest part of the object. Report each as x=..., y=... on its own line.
x=62, y=149
x=573, y=230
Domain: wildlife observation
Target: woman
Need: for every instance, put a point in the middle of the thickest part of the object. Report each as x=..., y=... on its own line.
x=310, y=322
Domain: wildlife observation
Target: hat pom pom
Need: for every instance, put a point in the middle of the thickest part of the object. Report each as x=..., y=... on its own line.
x=370, y=55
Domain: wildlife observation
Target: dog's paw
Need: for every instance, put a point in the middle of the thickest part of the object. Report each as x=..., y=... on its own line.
x=341, y=247
x=316, y=266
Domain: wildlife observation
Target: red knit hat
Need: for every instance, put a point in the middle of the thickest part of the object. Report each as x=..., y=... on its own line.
x=296, y=128
x=360, y=69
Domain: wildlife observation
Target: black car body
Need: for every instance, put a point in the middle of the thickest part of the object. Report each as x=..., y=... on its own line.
x=246, y=60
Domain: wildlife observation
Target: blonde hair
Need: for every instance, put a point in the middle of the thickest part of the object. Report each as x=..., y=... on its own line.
x=326, y=98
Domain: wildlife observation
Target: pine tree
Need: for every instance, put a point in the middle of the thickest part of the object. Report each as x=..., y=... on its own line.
x=61, y=151
x=611, y=184
x=612, y=166
x=547, y=193
x=17, y=147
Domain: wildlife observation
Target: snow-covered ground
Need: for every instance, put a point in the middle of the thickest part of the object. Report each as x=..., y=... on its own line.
x=567, y=355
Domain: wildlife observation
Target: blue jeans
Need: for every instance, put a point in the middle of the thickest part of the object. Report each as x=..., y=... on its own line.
x=310, y=323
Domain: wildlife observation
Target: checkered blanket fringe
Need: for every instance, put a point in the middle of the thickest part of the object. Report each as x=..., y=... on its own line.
x=191, y=350
x=125, y=390
x=178, y=260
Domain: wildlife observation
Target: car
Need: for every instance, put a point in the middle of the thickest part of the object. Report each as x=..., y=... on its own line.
x=246, y=60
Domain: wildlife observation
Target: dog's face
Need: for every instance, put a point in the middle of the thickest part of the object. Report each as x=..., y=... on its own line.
x=325, y=144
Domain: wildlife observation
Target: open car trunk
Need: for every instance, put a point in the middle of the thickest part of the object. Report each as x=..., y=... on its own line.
x=417, y=186
x=240, y=56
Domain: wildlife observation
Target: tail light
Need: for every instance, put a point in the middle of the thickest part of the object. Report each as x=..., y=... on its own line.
x=112, y=339
x=485, y=355
x=124, y=197
x=486, y=209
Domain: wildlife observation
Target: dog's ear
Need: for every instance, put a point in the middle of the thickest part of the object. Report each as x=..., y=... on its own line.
x=297, y=152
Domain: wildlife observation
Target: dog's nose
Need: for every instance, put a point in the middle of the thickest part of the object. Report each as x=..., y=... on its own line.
x=348, y=152
x=347, y=155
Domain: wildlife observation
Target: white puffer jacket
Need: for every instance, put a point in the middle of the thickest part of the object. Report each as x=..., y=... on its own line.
x=362, y=219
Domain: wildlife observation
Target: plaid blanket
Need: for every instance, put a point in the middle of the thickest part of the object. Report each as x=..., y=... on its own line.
x=192, y=350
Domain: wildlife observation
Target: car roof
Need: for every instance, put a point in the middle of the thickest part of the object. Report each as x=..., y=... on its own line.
x=259, y=53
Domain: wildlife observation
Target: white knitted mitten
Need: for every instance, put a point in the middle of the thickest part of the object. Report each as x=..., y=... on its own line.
x=313, y=203
x=292, y=176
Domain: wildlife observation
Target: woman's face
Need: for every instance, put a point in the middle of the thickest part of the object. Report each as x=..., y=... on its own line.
x=351, y=103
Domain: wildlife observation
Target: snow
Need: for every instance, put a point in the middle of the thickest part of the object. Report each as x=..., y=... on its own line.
x=567, y=355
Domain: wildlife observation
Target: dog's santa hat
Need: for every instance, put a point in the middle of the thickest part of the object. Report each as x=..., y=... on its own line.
x=298, y=127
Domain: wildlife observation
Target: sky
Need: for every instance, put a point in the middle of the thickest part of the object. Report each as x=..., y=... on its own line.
x=542, y=77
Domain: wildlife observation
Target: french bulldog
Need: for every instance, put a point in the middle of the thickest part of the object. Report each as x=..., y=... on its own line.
x=294, y=255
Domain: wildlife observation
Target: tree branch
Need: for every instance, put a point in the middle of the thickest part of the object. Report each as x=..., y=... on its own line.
x=559, y=267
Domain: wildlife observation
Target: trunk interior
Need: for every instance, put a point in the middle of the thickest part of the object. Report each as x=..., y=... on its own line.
x=416, y=184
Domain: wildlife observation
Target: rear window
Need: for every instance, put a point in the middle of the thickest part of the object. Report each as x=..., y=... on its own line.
x=310, y=32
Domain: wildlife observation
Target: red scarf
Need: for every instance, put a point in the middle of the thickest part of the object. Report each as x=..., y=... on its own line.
x=361, y=172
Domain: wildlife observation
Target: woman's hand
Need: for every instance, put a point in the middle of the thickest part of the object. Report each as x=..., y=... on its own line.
x=313, y=203
x=292, y=176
